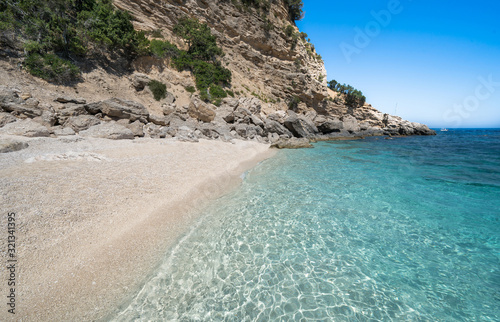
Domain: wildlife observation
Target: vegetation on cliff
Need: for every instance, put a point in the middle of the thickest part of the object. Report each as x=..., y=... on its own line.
x=201, y=59
x=56, y=34
x=294, y=7
x=353, y=97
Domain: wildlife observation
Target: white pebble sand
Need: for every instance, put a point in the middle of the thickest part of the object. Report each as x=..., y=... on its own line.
x=94, y=216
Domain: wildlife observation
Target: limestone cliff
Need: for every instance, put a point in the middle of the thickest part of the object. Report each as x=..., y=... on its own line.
x=257, y=50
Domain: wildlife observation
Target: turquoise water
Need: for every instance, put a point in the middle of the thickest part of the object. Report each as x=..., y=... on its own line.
x=371, y=230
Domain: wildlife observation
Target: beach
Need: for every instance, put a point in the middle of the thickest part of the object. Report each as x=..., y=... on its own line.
x=93, y=216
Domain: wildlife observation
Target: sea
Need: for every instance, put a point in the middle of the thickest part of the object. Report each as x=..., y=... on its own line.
x=401, y=229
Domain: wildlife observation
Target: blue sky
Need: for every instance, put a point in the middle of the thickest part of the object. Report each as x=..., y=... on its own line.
x=434, y=62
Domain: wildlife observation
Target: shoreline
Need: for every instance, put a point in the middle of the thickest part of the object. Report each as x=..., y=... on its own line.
x=96, y=215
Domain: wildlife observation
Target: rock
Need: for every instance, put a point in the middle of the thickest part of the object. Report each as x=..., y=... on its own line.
x=272, y=126
x=201, y=111
x=292, y=143
x=136, y=127
x=330, y=125
x=159, y=120
x=63, y=131
x=10, y=145
x=65, y=100
x=48, y=118
x=350, y=124
x=256, y=120
x=186, y=134
x=140, y=81
x=121, y=109
x=253, y=104
x=9, y=96
x=108, y=130
x=69, y=110
x=169, y=99
x=210, y=130
x=156, y=131
x=26, y=127
x=81, y=122
x=169, y=108
x=21, y=109
x=422, y=129
x=25, y=96
x=273, y=137
x=245, y=131
x=6, y=118
x=300, y=126
x=225, y=112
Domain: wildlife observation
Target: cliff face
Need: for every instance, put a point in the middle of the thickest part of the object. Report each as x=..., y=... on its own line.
x=271, y=63
x=257, y=50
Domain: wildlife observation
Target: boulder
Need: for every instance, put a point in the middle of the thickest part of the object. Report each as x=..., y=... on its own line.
x=245, y=131
x=350, y=124
x=154, y=131
x=253, y=104
x=9, y=96
x=108, y=130
x=48, y=118
x=159, y=120
x=10, y=145
x=22, y=109
x=300, y=126
x=201, y=111
x=329, y=125
x=169, y=108
x=69, y=110
x=26, y=127
x=272, y=126
x=169, y=99
x=6, y=118
x=140, y=81
x=186, y=134
x=136, y=127
x=81, y=122
x=292, y=143
x=121, y=109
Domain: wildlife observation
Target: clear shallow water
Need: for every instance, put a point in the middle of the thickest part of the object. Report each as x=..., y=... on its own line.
x=403, y=229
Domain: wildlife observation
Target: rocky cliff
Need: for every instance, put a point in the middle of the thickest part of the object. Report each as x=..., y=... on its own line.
x=271, y=62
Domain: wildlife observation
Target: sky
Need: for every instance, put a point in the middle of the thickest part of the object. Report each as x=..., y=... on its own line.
x=433, y=62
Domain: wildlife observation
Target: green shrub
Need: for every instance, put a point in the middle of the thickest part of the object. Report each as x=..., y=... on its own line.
x=163, y=49
x=295, y=9
x=353, y=97
x=293, y=102
x=159, y=89
x=230, y=93
x=217, y=92
x=201, y=56
x=190, y=89
x=289, y=30
x=217, y=102
x=156, y=33
x=51, y=68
